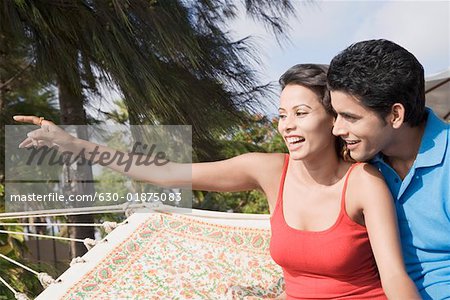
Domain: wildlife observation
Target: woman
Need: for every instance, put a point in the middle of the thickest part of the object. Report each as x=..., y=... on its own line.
x=323, y=209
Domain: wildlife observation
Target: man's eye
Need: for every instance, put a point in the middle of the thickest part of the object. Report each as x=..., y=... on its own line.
x=349, y=117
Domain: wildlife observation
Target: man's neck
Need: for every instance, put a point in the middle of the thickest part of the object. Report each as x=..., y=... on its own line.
x=403, y=151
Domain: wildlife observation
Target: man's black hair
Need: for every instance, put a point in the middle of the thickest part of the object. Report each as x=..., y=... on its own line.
x=380, y=73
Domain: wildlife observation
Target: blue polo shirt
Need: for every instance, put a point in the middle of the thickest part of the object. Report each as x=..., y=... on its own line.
x=423, y=207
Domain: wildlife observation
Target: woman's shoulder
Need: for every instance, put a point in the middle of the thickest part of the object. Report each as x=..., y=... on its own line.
x=366, y=183
x=269, y=158
x=365, y=173
x=266, y=160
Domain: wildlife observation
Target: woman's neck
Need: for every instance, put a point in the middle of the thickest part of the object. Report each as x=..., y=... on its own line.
x=326, y=169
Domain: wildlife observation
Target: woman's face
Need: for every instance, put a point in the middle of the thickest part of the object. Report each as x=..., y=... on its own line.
x=304, y=123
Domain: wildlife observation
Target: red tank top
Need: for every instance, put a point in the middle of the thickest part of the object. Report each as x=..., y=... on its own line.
x=336, y=263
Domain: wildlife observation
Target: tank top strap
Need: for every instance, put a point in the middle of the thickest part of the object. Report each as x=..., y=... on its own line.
x=282, y=180
x=344, y=189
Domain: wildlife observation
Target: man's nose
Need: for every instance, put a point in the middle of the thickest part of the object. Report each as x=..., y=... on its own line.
x=338, y=127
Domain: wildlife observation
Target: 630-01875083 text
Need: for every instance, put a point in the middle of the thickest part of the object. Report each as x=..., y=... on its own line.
x=102, y=197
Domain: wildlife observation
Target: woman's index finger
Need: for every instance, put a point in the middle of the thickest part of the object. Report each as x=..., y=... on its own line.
x=28, y=119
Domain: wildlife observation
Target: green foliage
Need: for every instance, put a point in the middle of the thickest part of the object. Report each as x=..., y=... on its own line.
x=22, y=91
x=259, y=136
x=12, y=246
x=242, y=202
x=173, y=60
x=20, y=279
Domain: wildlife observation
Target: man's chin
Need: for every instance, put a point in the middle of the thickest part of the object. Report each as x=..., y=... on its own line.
x=360, y=157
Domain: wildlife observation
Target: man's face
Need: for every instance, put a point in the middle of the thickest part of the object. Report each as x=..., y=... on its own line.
x=363, y=131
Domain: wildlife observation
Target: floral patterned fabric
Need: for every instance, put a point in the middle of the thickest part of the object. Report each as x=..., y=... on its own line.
x=178, y=257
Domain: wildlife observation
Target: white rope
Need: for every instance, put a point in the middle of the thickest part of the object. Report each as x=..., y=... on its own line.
x=77, y=260
x=127, y=209
x=107, y=226
x=21, y=296
x=52, y=224
x=71, y=211
x=42, y=235
x=60, y=214
x=89, y=243
x=110, y=226
x=44, y=278
x=19, y=264
x=8, y=286
x=17, y=295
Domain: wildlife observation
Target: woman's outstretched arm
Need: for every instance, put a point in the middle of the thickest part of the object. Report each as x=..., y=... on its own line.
x=239, y=173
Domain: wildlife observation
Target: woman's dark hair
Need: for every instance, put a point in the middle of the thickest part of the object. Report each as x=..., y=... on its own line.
x=314, y=77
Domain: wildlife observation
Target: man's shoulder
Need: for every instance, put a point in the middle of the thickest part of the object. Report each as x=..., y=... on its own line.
x=436, y=124
x=440, y=131
x=434, y=145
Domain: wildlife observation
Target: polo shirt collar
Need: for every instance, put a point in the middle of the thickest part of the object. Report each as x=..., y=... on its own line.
x=434, y=142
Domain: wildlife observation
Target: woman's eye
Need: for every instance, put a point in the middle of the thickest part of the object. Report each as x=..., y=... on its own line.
x=300, y=113
x=281, y=116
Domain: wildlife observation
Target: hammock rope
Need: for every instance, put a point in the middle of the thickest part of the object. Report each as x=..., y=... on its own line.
x=17, y=295
x=107, y=225
x=44, y=278
x=89, y=243
x=126, y=208
x=77, y=260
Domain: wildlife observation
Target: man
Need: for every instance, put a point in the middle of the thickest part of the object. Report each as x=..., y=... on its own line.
x=377, y=91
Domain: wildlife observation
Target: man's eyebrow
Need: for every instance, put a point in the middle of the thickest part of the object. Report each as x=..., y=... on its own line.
x=295, y=107
x=348, y=114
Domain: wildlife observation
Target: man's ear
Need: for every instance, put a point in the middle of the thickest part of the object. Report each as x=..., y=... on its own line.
x=397, y=115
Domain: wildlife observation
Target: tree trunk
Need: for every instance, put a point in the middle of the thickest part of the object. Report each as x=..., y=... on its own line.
x=3, y=52
x=72, y=113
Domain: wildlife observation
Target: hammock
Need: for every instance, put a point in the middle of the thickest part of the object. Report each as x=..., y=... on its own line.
x=166, y=254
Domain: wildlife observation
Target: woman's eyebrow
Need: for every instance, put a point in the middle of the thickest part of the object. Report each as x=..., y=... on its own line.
x=300, y=105
x=295, y=107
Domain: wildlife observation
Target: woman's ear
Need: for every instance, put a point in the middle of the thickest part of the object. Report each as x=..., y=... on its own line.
x=397, y=115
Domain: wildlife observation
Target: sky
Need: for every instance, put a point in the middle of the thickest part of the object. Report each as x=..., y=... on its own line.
x=321, y=29
x=324, y=28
